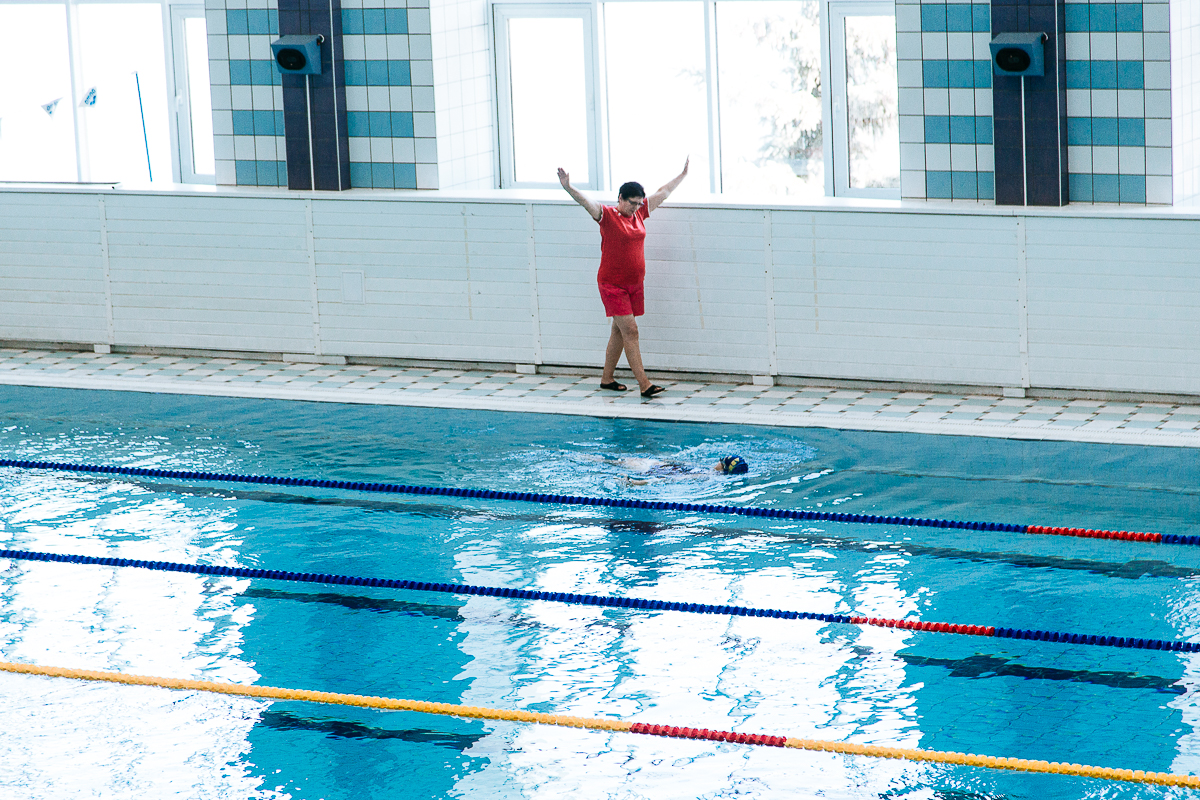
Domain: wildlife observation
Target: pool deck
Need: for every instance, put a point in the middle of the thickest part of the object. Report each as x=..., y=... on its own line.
x=1126, y=422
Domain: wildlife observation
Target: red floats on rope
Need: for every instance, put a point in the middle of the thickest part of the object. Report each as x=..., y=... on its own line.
x=916, y=625
x=705, y=733
x=1091, y=533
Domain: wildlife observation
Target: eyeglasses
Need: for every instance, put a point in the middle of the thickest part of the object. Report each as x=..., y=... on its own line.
x=634, y=201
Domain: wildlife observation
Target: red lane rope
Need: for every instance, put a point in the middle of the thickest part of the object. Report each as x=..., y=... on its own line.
x=1091, y=533
x=705, y=733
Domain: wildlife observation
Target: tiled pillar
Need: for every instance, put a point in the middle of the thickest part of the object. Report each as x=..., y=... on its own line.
x=945, y=99
x=1031, y=161
x=390, y=94
x=247, y=98
x=462, y=70
x=316, y=104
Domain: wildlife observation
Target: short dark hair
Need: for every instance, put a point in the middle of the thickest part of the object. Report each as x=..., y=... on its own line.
x=630, y=190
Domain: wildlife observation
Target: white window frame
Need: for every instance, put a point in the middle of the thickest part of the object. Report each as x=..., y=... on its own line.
x=587, y=12
x=835, y=149
x=181, y=105
x=836, y=143
x=712, y=93
x=75, y=65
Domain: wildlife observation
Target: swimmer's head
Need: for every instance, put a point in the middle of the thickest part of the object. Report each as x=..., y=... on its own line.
x=733, y=465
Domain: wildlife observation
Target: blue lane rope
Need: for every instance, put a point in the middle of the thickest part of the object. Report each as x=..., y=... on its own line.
x=571, y=500
x=614, y=602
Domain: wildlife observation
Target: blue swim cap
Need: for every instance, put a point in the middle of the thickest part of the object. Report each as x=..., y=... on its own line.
x=734, y=465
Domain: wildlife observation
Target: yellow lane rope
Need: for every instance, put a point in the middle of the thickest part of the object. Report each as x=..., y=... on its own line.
x=480, y=712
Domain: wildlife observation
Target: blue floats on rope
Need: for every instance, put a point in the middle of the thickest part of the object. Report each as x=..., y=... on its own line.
x=602, y=600
x=528, y=497
x=655, y=505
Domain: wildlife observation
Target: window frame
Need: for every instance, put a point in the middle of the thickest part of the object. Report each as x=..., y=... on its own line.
x=833, y=155
x=500, y=13
x=179, y=91
x=75, y=66
x=836, y=142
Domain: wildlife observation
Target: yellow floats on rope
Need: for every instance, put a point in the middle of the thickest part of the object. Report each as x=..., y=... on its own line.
x=480, y=712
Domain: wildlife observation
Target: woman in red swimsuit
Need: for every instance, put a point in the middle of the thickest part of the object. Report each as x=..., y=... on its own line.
x=623, y=271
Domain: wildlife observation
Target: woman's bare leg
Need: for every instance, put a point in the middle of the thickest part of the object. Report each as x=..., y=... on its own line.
x=612, y=353
x=626, y=328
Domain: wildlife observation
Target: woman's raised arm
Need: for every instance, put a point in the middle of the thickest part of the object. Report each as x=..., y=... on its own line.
x=655, y=200
x=592, y=206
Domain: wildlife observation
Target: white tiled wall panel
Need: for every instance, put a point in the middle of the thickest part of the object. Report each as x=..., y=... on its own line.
x=900, y=295
x=189, y=272
x=1116, y=309
x=51, y=268
x=942, y=302
x=440, y=280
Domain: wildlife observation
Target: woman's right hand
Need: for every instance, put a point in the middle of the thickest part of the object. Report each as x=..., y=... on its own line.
x=564, y=178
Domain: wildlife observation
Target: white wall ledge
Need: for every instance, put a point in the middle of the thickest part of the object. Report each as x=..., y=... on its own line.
x=964, y=208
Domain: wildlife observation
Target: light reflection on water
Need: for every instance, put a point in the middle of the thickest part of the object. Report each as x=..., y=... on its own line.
x=1026, y=699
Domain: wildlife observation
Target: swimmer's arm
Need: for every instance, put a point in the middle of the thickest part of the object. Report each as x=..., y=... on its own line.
x=589, y=204
x=655, y=200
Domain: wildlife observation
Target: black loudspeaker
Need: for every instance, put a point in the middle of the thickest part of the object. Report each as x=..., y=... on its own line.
x=1019, y=55
x=298, y=55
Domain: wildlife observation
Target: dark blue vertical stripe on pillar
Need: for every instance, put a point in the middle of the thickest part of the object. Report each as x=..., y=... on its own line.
x=1031, y=168
x=319, y=109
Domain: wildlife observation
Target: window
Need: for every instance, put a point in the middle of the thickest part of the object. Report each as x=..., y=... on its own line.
x=86, y=94
x=781, y=97
x=122, y=95
x=193, y=98
x=545, y=67
x=770, y=72
x=866, y=132
x=656, y=86
x=37, y=116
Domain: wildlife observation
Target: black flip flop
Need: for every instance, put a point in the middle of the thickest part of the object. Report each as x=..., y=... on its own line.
x=613, y=386
x=653, y=390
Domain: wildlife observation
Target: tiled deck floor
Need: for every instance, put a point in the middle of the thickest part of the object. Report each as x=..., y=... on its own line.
x=919, y=412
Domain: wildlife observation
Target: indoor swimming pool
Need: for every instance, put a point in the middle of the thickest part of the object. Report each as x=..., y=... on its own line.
x=1056, y=701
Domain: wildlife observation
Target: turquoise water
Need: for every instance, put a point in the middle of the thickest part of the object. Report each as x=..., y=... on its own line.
x=1102, y=706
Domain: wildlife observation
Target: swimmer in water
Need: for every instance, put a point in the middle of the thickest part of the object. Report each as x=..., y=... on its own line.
x=657, y=469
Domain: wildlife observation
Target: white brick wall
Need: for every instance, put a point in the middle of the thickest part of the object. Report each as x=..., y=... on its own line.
x=904, y=294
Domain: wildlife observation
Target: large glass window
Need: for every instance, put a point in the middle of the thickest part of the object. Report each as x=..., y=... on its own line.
x=656, y=83
x=122, y=62
x=547, y=98
x=37, y=123
x=767, y=97
x=87, y=93
x=770, y=97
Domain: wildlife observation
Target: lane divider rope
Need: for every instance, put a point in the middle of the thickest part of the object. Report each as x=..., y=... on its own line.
x=654, y=505
x=600, y=724
x=609, y=601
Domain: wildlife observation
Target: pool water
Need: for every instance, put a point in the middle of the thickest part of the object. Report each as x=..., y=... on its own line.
x=1040, y=700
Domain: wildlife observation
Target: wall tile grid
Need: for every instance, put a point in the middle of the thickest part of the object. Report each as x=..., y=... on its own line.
x=945, y=99
x=462, y=94
x=247, y=97
x=1118, y=100
x=389, y=94
x=1185, y=99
